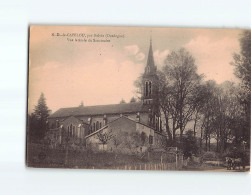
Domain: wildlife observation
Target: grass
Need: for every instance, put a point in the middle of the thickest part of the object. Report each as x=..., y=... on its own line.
x=41, y=156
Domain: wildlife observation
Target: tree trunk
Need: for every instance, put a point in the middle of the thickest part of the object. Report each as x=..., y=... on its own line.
x=168, y=130
x=201, y=137
x=66, y=155
x=206, y=141
x=195, y=123
x=217, y=143
x=209, y=138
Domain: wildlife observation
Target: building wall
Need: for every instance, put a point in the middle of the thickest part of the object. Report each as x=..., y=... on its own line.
x=159, y=140
x=80, y=130
x=124, y=127
x=54, y=122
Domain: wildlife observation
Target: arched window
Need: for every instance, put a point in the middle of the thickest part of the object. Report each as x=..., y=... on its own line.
x=71, y=133
x=97, y=125
x=100, y=125
x=74, y=130
x=68, y=130
x=150, y=88
x=146, y=89
x=94, y=127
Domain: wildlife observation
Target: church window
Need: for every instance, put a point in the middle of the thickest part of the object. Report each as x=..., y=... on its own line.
x=146, y=89
x=150, y=88
x=71, y=133
x=74, y=130
x=97, y=125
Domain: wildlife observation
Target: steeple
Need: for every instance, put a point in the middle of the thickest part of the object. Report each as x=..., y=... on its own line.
x=149, y=76
x=150, y=68
x=150, y=91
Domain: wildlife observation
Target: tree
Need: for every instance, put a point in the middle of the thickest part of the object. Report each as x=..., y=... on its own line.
x=122, y=101
x=104, y=137
x=242, y=63
x=190, y=144
x=178, y=86
x=81, y=104
x=209, y=112
x=178, y=95
x=132, y=100
x=133, y=141
x=38, y=119
x=41, y=110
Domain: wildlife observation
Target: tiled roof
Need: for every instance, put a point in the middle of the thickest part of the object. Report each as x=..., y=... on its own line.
x=101, y=110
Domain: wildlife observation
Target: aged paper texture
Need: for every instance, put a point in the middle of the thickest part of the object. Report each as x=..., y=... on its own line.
x=139, y=98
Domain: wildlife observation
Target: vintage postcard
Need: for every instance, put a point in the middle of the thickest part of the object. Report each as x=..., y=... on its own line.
x=139, y=98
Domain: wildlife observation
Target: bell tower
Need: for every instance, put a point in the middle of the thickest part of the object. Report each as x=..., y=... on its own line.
x=150, y=91
x=150, y=79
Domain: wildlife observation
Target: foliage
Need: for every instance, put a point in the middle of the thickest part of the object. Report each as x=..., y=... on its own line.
x=190, y=146
x=104, y=137
x=132, y=142
x=37, y=121
x=209, y=156
x=133, y=99
x=242, y=63
x=179, y=84
x=41, y=110
x=122, y=101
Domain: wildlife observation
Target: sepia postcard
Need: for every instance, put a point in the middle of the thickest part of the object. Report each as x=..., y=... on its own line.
x=139, y=98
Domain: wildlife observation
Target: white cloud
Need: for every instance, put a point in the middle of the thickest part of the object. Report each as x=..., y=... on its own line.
x=159, y=57
x=140, y=56
x=213, y=56
x=132, y=49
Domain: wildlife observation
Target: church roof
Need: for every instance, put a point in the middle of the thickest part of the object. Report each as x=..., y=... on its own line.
x=101, y=110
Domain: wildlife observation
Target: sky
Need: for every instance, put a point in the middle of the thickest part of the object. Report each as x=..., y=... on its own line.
x=69, y=71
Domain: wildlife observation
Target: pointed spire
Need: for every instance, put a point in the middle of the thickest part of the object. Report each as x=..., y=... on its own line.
x=150, y=66
x=150, y=60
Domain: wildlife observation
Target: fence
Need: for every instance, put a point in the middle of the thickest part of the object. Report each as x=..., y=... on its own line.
x=147, y=166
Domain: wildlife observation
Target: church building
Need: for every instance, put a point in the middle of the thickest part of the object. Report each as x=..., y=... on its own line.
x=144, y=116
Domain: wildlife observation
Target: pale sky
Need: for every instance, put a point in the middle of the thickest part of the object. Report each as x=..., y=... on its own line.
x=103, y=73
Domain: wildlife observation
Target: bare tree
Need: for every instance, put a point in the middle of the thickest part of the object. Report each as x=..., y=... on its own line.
x=104, y=137
x=181, y=73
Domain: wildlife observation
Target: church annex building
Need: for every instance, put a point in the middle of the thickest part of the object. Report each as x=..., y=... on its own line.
x=86, y=122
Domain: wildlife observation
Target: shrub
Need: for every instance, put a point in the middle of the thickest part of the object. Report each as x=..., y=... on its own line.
x=209, y=156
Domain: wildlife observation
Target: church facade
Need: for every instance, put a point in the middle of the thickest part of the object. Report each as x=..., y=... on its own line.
x=86, y=122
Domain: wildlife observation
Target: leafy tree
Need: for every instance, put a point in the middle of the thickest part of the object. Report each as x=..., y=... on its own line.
x=190, y=144
x=178, y=89
x=122, y=101
x=132, y=100
x=81, y=104
x=133, y=141
x=41, y=110
x=242, y=63
x=178, y=95
x=38, y=119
